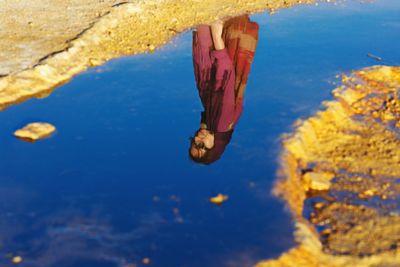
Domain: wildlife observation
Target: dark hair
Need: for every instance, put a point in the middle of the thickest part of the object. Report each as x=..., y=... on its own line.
x=221, y=140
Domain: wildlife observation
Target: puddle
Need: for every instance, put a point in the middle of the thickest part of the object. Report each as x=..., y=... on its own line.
x=115, y=185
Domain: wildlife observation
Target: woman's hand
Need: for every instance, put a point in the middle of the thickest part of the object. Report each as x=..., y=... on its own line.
x=216, y=32
x=217, y=27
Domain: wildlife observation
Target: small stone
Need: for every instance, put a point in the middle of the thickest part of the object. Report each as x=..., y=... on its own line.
x=326, y=231
x=16, y=259
x=367, y=193
x=146, y=261
x=318, y=181
x=319, y=205
x=219, y=199
x=94, y=62
x=35, y=131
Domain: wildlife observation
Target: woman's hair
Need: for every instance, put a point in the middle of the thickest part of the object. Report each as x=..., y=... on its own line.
x=221, y=140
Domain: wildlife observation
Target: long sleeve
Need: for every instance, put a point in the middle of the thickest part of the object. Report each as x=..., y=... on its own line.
x=219, y=99
x=215, y=79
x=223, y=68
x=202, y=61
x=221, y=75
x=225, y=81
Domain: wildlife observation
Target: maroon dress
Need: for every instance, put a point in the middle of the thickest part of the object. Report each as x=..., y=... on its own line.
x=221, y=77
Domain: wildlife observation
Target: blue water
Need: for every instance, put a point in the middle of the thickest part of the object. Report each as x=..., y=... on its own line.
x=115, y=185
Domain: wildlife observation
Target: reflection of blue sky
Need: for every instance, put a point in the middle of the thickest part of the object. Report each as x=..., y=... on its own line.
x=60, y=236
x=123, y=128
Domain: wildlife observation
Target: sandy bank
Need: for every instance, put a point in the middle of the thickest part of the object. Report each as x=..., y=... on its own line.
x=343, y=166
x=45, y=43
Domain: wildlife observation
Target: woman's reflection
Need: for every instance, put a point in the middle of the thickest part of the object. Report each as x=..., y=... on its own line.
x=222, y=57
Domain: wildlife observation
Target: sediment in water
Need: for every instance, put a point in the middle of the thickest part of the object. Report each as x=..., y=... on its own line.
x=341, y=176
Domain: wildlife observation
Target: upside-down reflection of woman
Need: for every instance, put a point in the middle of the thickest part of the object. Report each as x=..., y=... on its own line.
x=222, y=57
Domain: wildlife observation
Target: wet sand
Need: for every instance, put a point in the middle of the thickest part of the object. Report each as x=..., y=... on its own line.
x=45, y=43
x=342, y=167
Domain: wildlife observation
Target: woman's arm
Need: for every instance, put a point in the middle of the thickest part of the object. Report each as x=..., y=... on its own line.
x=202, y=61
x=216, y=32
x=223, y=63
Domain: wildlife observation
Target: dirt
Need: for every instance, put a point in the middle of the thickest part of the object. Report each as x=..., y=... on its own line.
x=353, y=149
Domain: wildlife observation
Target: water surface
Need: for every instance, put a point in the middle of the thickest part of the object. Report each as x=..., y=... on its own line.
x=115, y=185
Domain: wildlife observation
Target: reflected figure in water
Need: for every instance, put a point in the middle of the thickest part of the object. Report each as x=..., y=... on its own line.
x=222, y=57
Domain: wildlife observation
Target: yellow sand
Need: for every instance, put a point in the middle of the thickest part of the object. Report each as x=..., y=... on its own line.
x=349, y=155
x=44, y=43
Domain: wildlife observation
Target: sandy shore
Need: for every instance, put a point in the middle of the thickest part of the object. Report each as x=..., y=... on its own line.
x=44, y=43
x=346, y=160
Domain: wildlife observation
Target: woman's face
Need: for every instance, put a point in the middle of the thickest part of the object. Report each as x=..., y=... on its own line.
x=204, y=136
x=203, y=140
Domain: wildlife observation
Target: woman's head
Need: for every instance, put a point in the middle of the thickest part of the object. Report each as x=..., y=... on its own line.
x=200, y=145
x=207, y=147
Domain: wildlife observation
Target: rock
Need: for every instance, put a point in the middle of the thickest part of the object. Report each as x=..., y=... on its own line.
x=219, y=199
x=146, y=261
x=353, y=219
x=318, y=181
x=16, y=259
x=35, y=131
